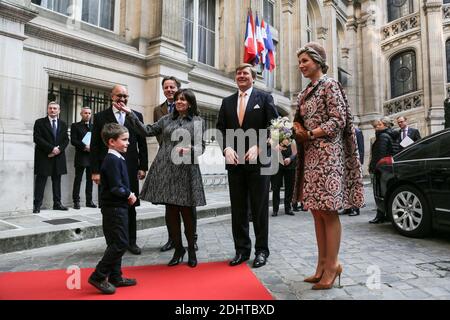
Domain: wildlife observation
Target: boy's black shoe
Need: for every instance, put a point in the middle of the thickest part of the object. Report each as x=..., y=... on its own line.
x=104, y=286
x=124, y=282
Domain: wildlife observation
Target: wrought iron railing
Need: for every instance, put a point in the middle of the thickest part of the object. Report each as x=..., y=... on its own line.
x=210, y=118
x=72, y=98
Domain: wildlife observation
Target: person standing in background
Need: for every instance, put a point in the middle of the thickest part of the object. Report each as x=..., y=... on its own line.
x=79, y=133
x=51, y=139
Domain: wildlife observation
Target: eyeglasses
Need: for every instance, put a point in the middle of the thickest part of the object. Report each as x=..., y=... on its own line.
x=124, y=96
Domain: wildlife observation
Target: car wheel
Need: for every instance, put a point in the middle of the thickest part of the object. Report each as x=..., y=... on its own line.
x=409, y=212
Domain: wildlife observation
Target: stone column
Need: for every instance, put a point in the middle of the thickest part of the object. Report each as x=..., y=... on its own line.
x=436, y=63
x=16, y=144
x=165, y=28
x=286, y=46
x=370, y=63
x=331, y=43
x=231, y=34
x=352, y=66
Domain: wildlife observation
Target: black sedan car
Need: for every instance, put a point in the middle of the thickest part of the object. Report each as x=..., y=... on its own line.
x=413, y=187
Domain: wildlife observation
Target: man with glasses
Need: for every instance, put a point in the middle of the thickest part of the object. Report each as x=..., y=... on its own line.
x=136, y=156
x=405, y=131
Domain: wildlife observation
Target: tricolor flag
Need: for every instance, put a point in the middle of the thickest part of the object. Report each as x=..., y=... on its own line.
x=260, y=47
x=250, y=41
x=270, y=48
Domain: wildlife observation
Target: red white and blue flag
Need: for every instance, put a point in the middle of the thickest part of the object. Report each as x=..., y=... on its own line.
x=260, y=46
x=269, y=62
x=250, y=51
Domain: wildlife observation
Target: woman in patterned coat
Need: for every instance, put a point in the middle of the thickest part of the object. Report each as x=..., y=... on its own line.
x=329, y=175
x=174, y=177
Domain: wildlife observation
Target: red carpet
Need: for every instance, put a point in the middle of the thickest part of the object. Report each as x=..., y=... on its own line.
x=208, y=281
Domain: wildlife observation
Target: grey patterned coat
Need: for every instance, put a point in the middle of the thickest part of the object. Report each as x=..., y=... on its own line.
x=174, y=179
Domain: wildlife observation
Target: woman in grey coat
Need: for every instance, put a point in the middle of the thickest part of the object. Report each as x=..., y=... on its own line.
x=174, y=177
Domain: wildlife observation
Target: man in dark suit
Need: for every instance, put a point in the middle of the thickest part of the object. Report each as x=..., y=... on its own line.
x=406, y=131
x=78, y=133
x=247, y=109
x=51, y=139
x=136, y=157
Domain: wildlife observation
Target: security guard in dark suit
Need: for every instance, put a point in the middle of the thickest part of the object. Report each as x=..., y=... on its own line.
x=78, y=132
x=51, y=139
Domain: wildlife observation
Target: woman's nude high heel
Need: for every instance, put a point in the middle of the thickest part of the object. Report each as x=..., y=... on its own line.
x=313, y=279
x=326, y=286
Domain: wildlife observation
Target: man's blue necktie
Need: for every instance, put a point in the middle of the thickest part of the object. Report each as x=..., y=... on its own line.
x=170, y=107
x=54, y=129
x=121, y=118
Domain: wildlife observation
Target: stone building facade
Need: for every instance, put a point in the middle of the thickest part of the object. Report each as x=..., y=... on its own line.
x=391, y=56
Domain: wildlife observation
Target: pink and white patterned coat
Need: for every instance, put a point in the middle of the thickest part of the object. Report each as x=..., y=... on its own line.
x=329, y=174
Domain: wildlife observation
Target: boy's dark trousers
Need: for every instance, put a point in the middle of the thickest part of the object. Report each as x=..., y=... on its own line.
x=115, y=229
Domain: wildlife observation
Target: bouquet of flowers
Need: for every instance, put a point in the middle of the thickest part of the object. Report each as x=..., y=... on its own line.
x=281, y=132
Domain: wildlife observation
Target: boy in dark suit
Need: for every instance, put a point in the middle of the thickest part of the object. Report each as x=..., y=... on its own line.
x=136, y=157
x=51, y=139
x=116, y=197
x=78, y=132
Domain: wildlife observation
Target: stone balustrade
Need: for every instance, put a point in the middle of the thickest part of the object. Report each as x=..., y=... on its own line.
x=398, y=26
x=446, y=11
x=403, y=103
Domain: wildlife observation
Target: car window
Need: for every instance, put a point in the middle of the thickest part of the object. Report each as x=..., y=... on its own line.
x=444, y=151
x=423, y=150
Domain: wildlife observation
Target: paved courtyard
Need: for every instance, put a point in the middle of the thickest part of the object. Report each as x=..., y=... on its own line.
x=378, y=263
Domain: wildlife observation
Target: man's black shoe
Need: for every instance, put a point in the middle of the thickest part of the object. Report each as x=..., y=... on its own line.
x=377, y=220
x=290, y=213
x=295, y=207
x=76, y=206
x=59, y=206
x=134, y=249
x=260, y=260
x=36, y=210
x=124, y=282
x=90, y=204
x=168, y=246
x=104, y=286
x=355, y=212
x=238, y=259
x=274, y=214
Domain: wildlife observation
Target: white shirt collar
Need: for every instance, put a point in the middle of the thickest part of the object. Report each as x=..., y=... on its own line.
x=51, y=119
x=115, y=110
x=116, y=153
x=248, y=92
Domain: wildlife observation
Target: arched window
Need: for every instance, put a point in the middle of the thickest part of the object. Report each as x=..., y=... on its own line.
x=399, y=8
x=403, y=73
